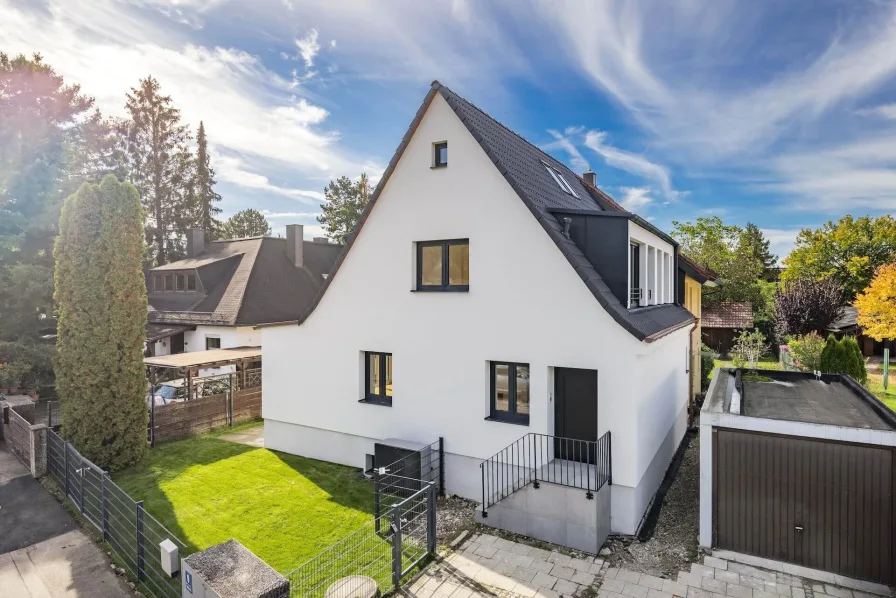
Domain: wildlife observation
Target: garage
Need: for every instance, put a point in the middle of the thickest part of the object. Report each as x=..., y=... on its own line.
x=800, y=469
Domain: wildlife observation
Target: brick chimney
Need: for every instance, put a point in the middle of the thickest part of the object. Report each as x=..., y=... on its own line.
x=195, y=241
x=294, y=248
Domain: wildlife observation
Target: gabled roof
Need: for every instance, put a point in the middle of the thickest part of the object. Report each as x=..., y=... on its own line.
x=523, y=166
x=247, y=282
x=695, y=270
x=729, y=314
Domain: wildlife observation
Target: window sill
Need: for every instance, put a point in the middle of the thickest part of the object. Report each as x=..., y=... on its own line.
x=458, y=289
x=438, y=167
x=508, y=420
x=375, y=401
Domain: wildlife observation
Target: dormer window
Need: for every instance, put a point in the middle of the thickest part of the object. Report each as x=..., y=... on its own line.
x=440, y=154
x=169, y=282
x=560, y=179
x=191, y=282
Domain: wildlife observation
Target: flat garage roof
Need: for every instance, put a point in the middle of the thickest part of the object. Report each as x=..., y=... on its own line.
x=210, y=358
x=795, y=396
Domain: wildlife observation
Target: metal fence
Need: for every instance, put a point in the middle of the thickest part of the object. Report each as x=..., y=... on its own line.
x=401, y=536
x=385, y=550
x=133, y=534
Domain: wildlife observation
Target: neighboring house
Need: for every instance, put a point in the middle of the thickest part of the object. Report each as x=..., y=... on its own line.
x=723, y=322
x=847, y=324
x=692, y=278
x=215, y=297
x=487, y=293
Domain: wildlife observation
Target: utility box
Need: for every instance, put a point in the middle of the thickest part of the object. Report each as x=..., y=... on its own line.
x=230, y=570
x=169, y=557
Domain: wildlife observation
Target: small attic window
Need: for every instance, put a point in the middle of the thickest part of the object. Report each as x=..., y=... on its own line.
x=559, y=179
x=440, y=154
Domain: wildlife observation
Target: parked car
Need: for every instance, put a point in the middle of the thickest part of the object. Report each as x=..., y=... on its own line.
x=165, y=393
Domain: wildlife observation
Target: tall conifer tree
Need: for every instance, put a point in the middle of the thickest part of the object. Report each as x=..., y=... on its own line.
x=101, y=300
x=204, y=195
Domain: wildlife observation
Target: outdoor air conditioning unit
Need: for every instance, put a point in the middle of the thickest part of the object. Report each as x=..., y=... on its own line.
x=406, y=459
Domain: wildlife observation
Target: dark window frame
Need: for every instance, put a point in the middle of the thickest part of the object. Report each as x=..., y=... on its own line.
x=169, y=282
x=380, y=398
x=191, y=278
x=436, y=157
x=182, y=279
x=212, y=338
x=511, y=416
x=158, y=283
x=446, y=274
x=634, y=273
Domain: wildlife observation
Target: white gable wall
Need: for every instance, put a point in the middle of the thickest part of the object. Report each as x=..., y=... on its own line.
x=525, y=304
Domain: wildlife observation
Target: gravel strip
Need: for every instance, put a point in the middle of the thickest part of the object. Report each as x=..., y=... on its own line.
x=453, y=515
x=675, y=540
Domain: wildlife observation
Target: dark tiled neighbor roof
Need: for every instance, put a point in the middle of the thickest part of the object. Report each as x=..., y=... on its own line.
x=250, y=281
x=848, y=320
x=729, y=314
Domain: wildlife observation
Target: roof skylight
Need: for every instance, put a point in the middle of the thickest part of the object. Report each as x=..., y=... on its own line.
x=560, y=179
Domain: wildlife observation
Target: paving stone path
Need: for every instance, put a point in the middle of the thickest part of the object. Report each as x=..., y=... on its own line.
x=490, y=566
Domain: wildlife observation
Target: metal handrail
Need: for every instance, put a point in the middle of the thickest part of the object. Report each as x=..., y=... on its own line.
x=536, y=458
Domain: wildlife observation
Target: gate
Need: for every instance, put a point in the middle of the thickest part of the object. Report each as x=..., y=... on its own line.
x=84, y=485
x=817, y=503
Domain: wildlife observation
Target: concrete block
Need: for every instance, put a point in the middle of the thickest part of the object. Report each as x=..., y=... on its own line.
x=582, y=578
x=582, y=537
x=634, y=590
x=612, y=585
x=547, y=529
x=714, y=585
x=739, y=591
x=675, y=588
x=628, y=576
x=543, y=580
x=727, y=576
x=561, y=572
x=579, y=509
x=514, y=521
x=651, y=582
x=567, y=588
x=717, y=563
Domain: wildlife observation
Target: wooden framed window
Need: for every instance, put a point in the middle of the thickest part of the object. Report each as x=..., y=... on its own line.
x=443, y=265
x=377, y=378
x=509, y=392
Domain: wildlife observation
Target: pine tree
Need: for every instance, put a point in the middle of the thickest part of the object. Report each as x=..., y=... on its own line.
x=204, y=195
x=754, y=238
x=346, y=201
x=245, y=223
x=101, y=300
x=160, y=165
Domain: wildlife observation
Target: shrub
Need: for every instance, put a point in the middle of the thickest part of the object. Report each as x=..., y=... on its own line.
x=749, y=346
x=707, y=364
x=844, y=357
x=806, y=351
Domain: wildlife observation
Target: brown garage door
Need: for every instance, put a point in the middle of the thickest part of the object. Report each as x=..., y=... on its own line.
x=817, y=503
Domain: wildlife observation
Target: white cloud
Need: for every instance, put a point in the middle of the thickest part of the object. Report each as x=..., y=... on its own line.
x=308, y=47
x=629, y=162
x=248, y=109
x=781, y=240
x=277, y=215
x=634, y=198
x=887, y=111
x=563, y=141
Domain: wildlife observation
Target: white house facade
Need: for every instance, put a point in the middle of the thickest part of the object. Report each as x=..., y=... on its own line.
x=477, y=361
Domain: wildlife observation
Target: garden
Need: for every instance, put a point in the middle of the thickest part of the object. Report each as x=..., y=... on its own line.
x=284, y=508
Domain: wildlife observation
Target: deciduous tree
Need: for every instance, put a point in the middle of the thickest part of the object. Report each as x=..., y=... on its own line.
x=246, y=223
x=877, y=304
x=101, y=299
x=807, y=305
x=849, y=251
x=346, y=200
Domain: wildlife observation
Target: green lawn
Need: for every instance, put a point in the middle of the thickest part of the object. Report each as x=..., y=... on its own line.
x=284, y=508
x=765, y=363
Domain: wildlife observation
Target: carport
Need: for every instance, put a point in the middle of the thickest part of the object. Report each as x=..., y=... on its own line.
x=799, y=469
x=189, y=364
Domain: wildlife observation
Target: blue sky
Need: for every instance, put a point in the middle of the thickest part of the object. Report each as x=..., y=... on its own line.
x=777, y=113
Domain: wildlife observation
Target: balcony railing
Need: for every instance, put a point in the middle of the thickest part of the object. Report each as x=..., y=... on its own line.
x=635, y=297
x=537, y=458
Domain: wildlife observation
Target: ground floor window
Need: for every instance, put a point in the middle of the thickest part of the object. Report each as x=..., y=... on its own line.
x=212, y=342
x=378, y=378
x=509, y=396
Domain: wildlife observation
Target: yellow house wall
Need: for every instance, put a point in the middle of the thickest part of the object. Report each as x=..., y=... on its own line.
x=692, y=298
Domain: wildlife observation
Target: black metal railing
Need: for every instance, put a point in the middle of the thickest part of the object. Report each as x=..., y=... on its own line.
x=537, y=458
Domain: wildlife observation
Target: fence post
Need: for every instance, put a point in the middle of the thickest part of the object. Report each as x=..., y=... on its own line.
x=152, y=419
x=81, y=486
x=104, y=506
x=65, y=462
x=230, y=402
x=376, y=500
x=431, y=520
x=396, y=546
x=441, y=466
x=609, y=459
x=140, y=557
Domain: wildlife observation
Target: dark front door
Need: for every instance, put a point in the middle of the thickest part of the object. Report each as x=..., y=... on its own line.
x=575, y=413
x=177, y=343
